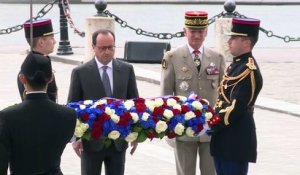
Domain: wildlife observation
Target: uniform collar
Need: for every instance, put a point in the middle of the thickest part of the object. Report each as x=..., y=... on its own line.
x=244, y=56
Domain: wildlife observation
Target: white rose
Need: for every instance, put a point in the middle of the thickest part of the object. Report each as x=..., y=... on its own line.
x=189, y=115
x=161, y=126
x=114, y=135
x=129, y=104
x=177, y=106
x=82, y=107
x=115, y=118
x=168, y=114
x=171, y=102
x=80, y=128
x=150, y=104
x=87, y=102
x=131, y=137
x=145, y=116
x=158, y=102
x=102, y=101
x=109, y=111
x=182, y=98
x=197, y=105
x=134, y=116
x=208, y=116
x=190, y=132
x=179, y=128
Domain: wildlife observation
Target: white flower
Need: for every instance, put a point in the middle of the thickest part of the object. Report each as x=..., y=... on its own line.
x=189, y=115
x=171, y=102
x=114, y=135
x=177, y=106
x=80, y=128
x=168, y=114
x=158, y=102
x=208, y=116
x=197, y=105
x=99, y=102
x=87, y=102
x=134, y=116
x=131, y=137
x=109, y=111
x=82, y=107
x=182, y=98
x=179, y=128
x=128, y=104
x=161, y=126
x=115, y=118
x=190, y=132
x=150, y=104
x=145, y=116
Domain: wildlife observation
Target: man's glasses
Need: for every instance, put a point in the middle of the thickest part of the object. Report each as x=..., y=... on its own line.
x=104, y=48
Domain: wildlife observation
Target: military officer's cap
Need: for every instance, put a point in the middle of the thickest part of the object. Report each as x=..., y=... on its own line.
x=245, y=27
x=37, y=67
x=41, y=27
x=196, y=19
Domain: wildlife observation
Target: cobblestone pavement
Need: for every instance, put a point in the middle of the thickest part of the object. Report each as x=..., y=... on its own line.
x=278, y=141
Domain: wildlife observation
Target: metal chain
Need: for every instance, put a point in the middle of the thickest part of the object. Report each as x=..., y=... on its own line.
x=40, y=14
x=140, y=31
x=67, y=12
x=269, y=33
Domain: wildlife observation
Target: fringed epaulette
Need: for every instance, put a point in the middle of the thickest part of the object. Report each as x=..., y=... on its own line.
x=251, y=64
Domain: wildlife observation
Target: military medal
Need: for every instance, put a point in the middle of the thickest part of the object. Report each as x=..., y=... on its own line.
x=184, y=69
x=184, y=86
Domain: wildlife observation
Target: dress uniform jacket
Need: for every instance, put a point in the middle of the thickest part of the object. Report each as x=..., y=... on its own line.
x=51, y=90
x=181, y=77
x=234, y=137
x=33, y=135
x=86, y=84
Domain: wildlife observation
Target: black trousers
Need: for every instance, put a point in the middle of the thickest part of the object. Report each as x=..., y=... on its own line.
x=229, y=167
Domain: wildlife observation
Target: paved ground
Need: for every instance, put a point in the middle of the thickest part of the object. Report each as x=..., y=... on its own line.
x=278, y=140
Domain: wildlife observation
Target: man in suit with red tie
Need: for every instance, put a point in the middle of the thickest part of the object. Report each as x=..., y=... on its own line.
x=102, y=76
x=193, y=68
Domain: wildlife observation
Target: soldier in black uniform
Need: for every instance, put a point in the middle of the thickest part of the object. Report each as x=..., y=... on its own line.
x=233, y=143
x=43, y=43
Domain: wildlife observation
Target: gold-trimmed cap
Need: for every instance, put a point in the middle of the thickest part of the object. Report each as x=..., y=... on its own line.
x=245, y=27
x=196, y=19
x=42, y=27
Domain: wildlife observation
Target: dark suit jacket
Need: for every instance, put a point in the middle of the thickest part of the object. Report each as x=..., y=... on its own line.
x=86, y=84
x=33, y=135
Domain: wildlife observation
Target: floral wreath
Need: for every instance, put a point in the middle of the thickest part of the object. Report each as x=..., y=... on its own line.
x=141, y=118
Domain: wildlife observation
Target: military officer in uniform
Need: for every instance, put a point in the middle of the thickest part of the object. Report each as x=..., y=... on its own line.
x=233, y=142
x=43, y=43
x=193, y=68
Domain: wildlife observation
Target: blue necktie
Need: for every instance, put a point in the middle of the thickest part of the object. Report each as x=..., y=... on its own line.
x=106, y=82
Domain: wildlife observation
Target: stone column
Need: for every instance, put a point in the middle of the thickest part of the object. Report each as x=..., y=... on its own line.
x=93, y=24
x=223, y=27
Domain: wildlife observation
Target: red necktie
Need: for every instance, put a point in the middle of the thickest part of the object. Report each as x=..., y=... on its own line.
x=197, y=59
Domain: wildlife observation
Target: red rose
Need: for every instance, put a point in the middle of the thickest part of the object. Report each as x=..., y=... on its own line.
x=158, y=111
x=171, y=135
x=103, y=117
x=140, y=100
x=198, y=113
x=127, y=116
x=177, y=99
x=151, y=135
x=97, y=130
x=118, y=103
x=200, y=127
x=101, y=107
x=185, y=109
x=155, y=119
x=176, y=112
x=85, y=117
x=140, y=107
x=123, y=122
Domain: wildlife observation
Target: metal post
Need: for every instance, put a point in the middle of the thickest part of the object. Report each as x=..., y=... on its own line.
x=64, y=47
x=100, y=6
x=229, y=7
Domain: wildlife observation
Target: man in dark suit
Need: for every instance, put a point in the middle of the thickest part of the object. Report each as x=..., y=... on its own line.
x=101, y=77
x=233, y=142
x=43, y=43
x=34, y=133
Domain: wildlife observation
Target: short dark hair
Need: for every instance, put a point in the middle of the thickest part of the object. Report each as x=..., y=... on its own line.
x=253, y=40
x=101, y=31
x=34, y=41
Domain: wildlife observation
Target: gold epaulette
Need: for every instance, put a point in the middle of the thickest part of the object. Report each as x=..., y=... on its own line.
x=251, y=64
x=169, y=53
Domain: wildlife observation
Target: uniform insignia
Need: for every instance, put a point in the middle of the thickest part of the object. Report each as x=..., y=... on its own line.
x=184, y=69
x=164, y=64
x=184, y=86
x=169, y=53
x=251, y=64
x=212, y=69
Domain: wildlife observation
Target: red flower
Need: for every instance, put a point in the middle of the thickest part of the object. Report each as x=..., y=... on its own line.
x=176, y=98
x=140, y=100
x=158, y=111
x=101, y=107
x=125, y=119
x=176, y=112
x=118, y=103
x=151, y=135
x=85, y=117
x=97, y=131
x=185, y=109
x=140, y=107
x=171, y=135
x=155, y=119
x=198, y=113
x=200, y=127
x=103, y=117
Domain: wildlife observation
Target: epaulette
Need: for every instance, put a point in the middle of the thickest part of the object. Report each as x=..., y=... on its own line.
x=170, y=53
x=251, y=64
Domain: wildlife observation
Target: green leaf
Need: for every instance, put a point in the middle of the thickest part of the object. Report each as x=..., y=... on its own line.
x=141, y=137
x=161, y=135
x=137, y=129
x=107, y=142
x=86, y=136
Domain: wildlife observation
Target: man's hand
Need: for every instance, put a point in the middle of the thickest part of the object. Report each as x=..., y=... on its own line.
x=77, y=146
x=134, y=145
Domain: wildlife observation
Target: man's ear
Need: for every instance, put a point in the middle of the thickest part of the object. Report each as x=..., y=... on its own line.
x=23, y=78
